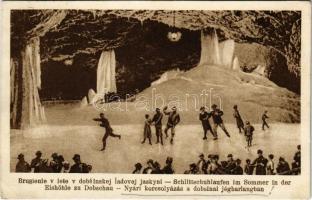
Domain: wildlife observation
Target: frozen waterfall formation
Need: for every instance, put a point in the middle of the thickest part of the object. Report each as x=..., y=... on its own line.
x=105, y=78
x=215, y=53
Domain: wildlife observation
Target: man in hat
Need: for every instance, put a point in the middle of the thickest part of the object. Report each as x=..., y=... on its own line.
x=238, y=170
x=264, y=117
x=297, y=161
x=173, y=120
x=108, y=129
x=202, y=165
x=158, y=125
x=204, y=118
x=37, y=162
x=168, y=169
x=149, y=168
x=248, y=130
x=22, y=166
x=193, y=169
x=238, y=118
x=283, y=167
x=138, y=168
x=77, y=167
x=230, y=165
x=147, y=133
x=216, y=116
x=260, y=163
x=55, y=164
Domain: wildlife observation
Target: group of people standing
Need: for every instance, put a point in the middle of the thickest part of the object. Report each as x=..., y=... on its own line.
x=216, y=115
x=57, y=164
x=153, y=167
x=260, y=166
x=173, y=120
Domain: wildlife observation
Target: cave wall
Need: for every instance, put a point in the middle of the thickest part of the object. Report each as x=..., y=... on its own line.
x=146, y=54
x=252, y=55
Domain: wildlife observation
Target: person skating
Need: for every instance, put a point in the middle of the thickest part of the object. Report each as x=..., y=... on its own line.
x=173, y=120
x=108, y=129
x=216, y=116
x=238, y=118
x=260, y=163
x=157, y=120
x=248, y=130
x=147, y=130
x=264, y=117
x=22, y=166
x=204, y=118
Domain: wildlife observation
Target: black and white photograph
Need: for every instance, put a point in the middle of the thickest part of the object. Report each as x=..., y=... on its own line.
x=155, y=91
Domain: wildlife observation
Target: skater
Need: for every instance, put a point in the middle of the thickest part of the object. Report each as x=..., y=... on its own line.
x=108, y=129
x=204, y=118
x=248, y=133
x=216, y=116
x=22, y=166
x=264, y=117
x=238, y=118
x=173, y=120
x=260, y=163
x=147, y=130
x=270, y=165
x=158, y=126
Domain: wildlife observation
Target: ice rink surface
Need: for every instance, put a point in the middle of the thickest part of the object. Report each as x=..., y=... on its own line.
x=121, y=155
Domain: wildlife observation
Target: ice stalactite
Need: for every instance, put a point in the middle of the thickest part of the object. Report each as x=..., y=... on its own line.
x=236, y=65
x=209, y=48
x=106, y=80
x=27, y=110
x=226, y=49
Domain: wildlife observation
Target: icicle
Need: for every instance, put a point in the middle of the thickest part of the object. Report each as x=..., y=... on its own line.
x=209, y=48
x=106, y=81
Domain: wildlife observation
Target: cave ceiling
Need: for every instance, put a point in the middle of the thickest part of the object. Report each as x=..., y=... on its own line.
x=66, y=33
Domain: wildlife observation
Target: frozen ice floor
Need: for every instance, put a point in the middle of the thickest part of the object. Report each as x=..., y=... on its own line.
x=121, y=155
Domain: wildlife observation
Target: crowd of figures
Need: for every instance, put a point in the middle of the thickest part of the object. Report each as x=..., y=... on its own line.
x=153, y=167
x=57, y=164
x=174, y=119
x=259, y=166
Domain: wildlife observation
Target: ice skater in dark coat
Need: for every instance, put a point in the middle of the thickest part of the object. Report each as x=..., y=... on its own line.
x=204, y=118
x=108, y=129
x=238, y=118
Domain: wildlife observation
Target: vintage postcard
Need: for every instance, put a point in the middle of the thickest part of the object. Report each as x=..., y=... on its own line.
x=155, y=99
